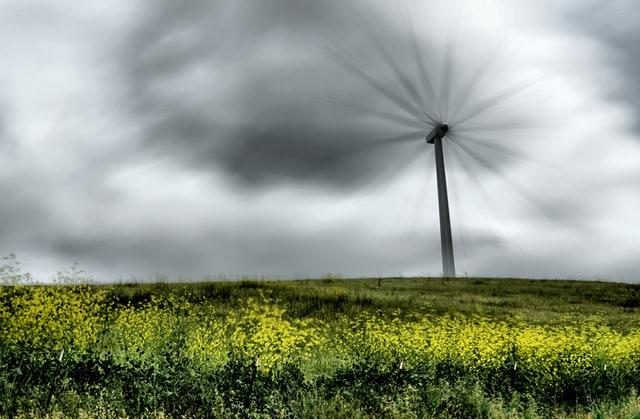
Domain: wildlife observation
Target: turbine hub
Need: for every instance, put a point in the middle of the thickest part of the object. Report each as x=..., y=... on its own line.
x=439, y=131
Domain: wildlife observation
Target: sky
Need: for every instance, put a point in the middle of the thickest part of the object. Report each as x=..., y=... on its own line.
x=285, y=138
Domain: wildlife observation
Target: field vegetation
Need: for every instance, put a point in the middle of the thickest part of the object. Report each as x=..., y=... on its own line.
x=393, y=347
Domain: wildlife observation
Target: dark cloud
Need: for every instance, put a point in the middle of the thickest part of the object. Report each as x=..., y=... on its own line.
x=615, y=24
x=289, y=91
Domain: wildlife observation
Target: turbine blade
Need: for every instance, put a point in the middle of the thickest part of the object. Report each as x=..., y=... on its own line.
x=412, y=207
x=388, y=172
x=496, y=148
x=447, y=76
x=363, y=147
x=392, y=170
x=467, y=169
x=407, y=137
x=399, y=101
x=552, y=174
x=404, y=81
x=499, y=175
x=460, y=100
x=507, y=126
x=494, y=101
x=445, y=87
x=403, y=120
x=427, y=85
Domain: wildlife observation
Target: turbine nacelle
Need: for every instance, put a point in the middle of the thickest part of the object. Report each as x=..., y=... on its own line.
x=439, y=131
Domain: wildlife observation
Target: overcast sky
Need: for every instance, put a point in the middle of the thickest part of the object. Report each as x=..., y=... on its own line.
x=285, y=138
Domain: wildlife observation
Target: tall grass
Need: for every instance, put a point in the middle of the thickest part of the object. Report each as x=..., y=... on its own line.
x=326, y=348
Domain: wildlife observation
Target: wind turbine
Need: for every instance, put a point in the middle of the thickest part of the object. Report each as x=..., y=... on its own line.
x=439, y=112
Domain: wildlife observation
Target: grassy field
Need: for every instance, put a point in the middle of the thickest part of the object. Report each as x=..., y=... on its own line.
x=392, y=347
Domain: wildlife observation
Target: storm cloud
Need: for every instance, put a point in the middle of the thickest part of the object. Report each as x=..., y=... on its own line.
x=286, y=138
x=615, y=25
x=260, y=90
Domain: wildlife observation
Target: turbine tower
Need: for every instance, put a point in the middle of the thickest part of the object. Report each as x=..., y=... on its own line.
x=435, y=137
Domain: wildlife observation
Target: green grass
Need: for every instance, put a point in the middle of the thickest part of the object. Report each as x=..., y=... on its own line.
x=128, y=349
x=539, y=301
